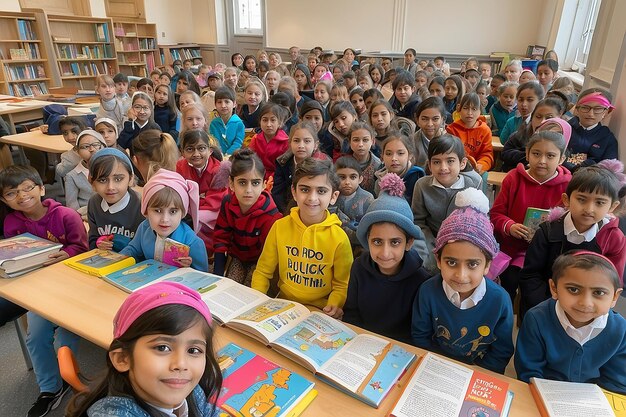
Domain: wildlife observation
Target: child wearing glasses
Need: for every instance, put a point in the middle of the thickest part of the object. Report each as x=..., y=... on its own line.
x=141, y=119
x=591, y=141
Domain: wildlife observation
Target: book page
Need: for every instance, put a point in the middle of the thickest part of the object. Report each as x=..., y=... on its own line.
x=227, y=299
x=436, y=389
x=572, y=399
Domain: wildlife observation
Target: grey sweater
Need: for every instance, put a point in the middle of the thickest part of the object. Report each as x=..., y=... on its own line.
x=78, y=191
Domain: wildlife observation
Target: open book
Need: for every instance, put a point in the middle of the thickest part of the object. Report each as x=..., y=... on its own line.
x=570, y=399
x=24, y=253
x=453, y=390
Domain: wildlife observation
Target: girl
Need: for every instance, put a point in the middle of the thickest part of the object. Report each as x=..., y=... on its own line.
x=377, y=74
x=504, y=108
x=381, y=115
x=263, y=69
x=165, y=112
x=453, y=91
x=311, y=61
x=546, y=72
x=483, y=92
x=275, y=60
x=271, y=82
x=167, y=198
x=514, y=151
x=303, y=77
x=237, y=60
x=318, y=72
x=335, y=141
x=361, y=141
x=272, y=141
x=356, y=98
x=288, y=84
x=421, y=79
x=111, y=106
x=246, y=216
x=108, y=129
x=194, y=117
x=527, y=76
x=528, y=95
x=261, y=55
x=201, y=163
x=398, y=156
x=322, y=95
x=338, y=92
x=249, y=64
x=78, y=190
x=474, y=133
x=364, y=81
x=140, y=120
x=147, y=86
x=370, y=96
x=114, y=211
x=436, y=88
x=312, y=112
x=186, y=81
x=348, y=57
x=179, y=321
x=187, y=98
x=540, y=186
x=430, y=116
x=255, y=96
x=153, y=150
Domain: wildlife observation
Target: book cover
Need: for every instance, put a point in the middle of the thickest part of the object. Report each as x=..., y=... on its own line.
x=254, y=386
x=534, y=217
x=199, y=281
x=24, y=253
x=173, y=250
x=99, y=262
x=139, y=275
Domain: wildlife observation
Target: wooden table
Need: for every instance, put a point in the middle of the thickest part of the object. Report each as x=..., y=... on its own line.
x=34, y=140
x=86, y=306
x=20, y=111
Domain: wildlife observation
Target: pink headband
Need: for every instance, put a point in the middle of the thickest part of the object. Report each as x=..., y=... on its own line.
x=596, y=98
x=153, y=296
x=328, y=76
x=565, y=127
x=188, y=191
x=599, y=255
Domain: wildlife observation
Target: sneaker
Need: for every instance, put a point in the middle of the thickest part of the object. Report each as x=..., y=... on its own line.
x=48, y=401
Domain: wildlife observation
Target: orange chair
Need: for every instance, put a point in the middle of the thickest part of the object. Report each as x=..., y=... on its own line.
x=69, y=369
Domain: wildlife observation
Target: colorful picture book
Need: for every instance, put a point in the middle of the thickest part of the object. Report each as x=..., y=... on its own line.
x=173, y=250
x=254, y=386
x=138, y=275
x=99, y=262
x=452, y=389
x=534, y=217
x=24, y=253
x=565, y=399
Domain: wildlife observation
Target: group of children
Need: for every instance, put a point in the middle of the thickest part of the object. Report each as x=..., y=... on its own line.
x=295, y=199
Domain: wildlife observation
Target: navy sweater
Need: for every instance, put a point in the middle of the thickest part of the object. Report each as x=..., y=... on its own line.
x=166, y=120
x=597, y=144
x=131, y=130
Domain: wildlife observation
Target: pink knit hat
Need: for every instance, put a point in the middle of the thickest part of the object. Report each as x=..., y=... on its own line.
x=188, y=191
x=565, y=127
x=153, y=296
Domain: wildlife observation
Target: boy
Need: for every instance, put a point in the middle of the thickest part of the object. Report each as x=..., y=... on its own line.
x=121, y=86
x=111, y=105
x=495, y=84
x=459, y=312
x=70, y=129
x=439, y=61
x=409, y=61
x=404, y=99
x=231, y=78
x=228, y=129
x=187, y=64
x=386, y=63
x=575, y=336
x=308, y=248
x=485, y=71
x=155, y=76
x=349, y=80
x=353, y=201
x=384, y=280
x=22, y=189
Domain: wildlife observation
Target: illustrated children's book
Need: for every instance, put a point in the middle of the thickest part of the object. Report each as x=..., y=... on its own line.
x=173, y=250
x=139, y=275
x=253, y=386
x=452, y=389
x=24, y=253
x=534, y=217
x=565, y=399
x=99, y=262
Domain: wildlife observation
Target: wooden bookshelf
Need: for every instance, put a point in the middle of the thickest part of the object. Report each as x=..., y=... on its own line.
x=84, y=49
x=136, y=46
x=25, y=69
x=170, y=53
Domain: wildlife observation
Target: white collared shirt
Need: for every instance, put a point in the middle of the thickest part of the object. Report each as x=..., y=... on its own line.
x=590, y=127
x=181, y=411
x=455, y=298
x=201, y=170
x=141, y=126
x=543, y=182
x=459, y=184
x=574, y=236
x=81, y=169
x=582, y=334
x=117, y=207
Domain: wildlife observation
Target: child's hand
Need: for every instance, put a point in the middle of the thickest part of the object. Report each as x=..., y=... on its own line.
x=43, y=128
x=333, y=311
x=105, y=242
x=519, y=231
x=57, y=257
x=184, y=261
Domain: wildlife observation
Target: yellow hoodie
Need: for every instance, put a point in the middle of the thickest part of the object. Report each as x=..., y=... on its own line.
x=313, y=262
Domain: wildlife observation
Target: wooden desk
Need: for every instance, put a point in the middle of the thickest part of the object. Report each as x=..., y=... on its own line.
x=21, y=111
x=34, y=140
x=495, y=178
x=86, y=305
x=496, y=144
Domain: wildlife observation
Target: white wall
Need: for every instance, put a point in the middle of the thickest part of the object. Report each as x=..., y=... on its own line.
x=10, y=5
x=172, y=17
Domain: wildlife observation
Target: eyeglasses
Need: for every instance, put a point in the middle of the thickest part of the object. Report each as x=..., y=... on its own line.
x=192, y=150
x=96, y=146
x=139, y=108
x=12, y=195
x=587, y=109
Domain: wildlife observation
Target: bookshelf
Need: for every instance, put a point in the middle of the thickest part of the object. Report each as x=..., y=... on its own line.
x=170, y=53
x=25, y=69
x=136, y=46
x=84, y=49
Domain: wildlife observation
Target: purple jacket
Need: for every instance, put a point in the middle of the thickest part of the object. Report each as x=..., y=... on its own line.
x=59, y=224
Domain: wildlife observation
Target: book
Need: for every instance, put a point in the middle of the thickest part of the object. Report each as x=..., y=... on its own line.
x=173, y=250
x=533, y=218
x=255, y=386
x=139, y=275
x=569, y=399
x=617, y=402
x=453, y=389
x=99, y=262
x=24, y=253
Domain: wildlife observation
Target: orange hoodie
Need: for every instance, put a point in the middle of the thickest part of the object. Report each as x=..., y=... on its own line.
x=477, y=141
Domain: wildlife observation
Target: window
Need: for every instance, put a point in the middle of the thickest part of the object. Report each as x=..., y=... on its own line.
x=248, y=17
x=578, y=23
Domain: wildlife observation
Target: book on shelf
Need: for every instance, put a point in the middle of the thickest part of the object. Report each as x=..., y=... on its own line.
x=61, y=39
x=25, y=29
x=453, y=389
x=573, y=399
x=24, y=253
x=99, y=262
x=28, y=90
x=137, y=276
x=18, y=54
x=102, y=32
x=255, y=386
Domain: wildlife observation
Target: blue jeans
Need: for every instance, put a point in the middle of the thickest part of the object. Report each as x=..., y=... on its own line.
x=40, y=343
x=9, y=311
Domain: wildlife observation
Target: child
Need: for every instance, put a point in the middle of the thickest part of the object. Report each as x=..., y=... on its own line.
x=308, y=248
x=385, y=279
x=322, y=95
x=398, y=157
x=78, y=189
x=370, y=96
x=141, y=120
x=353, y=201
x=381, y=117
x=167, y=198
x=513, y=70
x=121, y=86
x=255, y=96
x=430, y=117
x=546, y=73
x=108, y=129
x=22, y=190
x=495, y=83
x=527, y=76
x=356, y=99
x=364, y=82
x=575, y=336
x=591, y=141
x=588, y=224
x=143, y=379
x=421, y=79
x=485, y=72
x=483, y=93
x=272, y=141
x=335, y=141
x=474, y=133
x=246, y=215
x=540, y=186
x=113, y=106
x=146, y=85
x=404, y=98
x=312, y=112
x=228, y=129
x=459, y=312
x=453, y=91
x=433, y=195
x=504, y=108
x=188, y=97
x=194, y=117
x=361, y=143
x=271, y=82
x=153, y=150
x=165, y=112
x=528, y=95
x=70, y=129
x=302, y=75
x=114, y=211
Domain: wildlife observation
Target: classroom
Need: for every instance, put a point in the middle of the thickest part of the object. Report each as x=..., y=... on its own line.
x=227, y=168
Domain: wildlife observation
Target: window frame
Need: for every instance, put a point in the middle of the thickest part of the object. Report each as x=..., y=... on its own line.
x=243, y=31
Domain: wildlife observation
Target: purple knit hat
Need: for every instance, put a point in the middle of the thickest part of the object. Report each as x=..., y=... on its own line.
x=469, y=222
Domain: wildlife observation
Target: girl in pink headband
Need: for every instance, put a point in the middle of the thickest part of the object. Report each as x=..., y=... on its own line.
x=161, y=360
x=167, y=199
